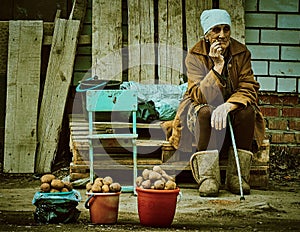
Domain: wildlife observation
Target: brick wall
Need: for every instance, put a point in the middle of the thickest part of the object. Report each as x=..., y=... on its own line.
x=282, y=116
x=273, y=37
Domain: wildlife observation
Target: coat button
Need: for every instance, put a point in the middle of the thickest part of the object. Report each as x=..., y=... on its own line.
x=229, y=65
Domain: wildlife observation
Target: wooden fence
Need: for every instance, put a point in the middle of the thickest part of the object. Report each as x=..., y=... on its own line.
x=157, y=37
x=150, y=50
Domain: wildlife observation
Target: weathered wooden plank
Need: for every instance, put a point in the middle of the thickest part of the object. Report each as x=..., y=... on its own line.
x=78, y=10
x=3, y=69
x=58, y=79
x=141, y=48
x=170, y=48
x=117, y=163
x=193, y=10
x=107, y=39
x=23, y=87
x=236, y=10
x=3, y=47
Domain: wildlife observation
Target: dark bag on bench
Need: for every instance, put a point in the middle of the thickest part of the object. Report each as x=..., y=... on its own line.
x=146, y=112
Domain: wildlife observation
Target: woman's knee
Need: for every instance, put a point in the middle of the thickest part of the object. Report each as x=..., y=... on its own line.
x=245, y=115
x=204, y=113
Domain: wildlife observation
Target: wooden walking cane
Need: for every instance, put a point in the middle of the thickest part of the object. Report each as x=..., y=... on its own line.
x=236, y=159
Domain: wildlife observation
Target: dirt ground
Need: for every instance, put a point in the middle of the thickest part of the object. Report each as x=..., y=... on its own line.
x=276, y=209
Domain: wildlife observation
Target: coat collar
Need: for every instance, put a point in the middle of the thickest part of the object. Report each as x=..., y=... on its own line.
x=235, y=47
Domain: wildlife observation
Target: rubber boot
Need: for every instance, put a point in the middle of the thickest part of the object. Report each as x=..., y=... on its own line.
x=206, y=172
x=232, y=179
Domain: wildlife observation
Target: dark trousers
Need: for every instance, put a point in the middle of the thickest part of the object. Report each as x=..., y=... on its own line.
x=208, y=138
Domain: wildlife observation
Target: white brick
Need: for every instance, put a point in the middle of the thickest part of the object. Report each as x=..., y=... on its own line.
x=290, y=53
x=284, y=68
x=251, y=5
x=252, y=36
x=267, y=83
x=264, y=52
x=280, y=36
x=286, y=85
x=279, y=5
x=260, y=67
x=289, y=21
x=260, y=20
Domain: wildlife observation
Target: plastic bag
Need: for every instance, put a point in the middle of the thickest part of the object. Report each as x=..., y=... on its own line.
x=166, y=97
x=56, y=207
x=146, y=112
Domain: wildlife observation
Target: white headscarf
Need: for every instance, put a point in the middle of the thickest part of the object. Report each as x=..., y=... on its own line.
x=213, y=17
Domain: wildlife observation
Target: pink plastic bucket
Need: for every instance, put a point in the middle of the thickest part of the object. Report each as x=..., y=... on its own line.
x=156, y=208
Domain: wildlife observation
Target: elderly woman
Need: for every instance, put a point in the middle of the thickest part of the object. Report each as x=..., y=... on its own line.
x=220, y=82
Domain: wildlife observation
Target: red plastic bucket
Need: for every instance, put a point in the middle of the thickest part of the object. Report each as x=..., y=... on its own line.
x=104, y=207
x=156, y=208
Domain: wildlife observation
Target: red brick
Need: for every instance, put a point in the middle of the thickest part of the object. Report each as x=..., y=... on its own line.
x=292, y=100
x=270, y=111
x=277, y=123
x=290, y=149
x=295, y=150
x=264, y=100
x=294, y=124
x=276, y=99
x=291, y=112
x=297, y=137
x=282, y=137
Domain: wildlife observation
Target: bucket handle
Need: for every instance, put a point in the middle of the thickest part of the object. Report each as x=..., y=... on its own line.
x=78, y=88
x=179, y=197
x=86, y=204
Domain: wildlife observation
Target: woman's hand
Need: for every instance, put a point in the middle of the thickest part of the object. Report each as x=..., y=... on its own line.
x=215, y=53
x=219, y=115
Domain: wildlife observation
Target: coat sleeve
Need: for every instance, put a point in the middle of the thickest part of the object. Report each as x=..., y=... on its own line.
x=203, y=85
x=246, y=88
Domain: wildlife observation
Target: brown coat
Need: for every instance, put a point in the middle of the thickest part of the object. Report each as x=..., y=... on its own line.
x=205, y=87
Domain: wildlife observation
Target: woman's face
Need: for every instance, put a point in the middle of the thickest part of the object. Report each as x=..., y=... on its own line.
x=220, y=33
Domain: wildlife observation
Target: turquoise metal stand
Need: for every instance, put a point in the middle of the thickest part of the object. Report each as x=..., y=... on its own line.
x=110, y=101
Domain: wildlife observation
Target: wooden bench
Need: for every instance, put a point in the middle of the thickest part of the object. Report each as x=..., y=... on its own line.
x=153, y=149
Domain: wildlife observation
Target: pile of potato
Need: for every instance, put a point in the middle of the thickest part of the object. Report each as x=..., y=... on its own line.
x=103, y=185
x=156, y=178
x=50, y=184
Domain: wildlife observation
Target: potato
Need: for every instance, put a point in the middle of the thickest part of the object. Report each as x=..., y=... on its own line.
x=57, y=184
x=96, y=188
x=146, y=173
x=54, y=190
x=139, y=180
x=47, y=178
x=68, y=185
x=105, y=188
x=98, y=181
x=88, y=186
x=146, y=184
x=107, y=180
x=45, y=187
x=159, y=184
x=167, y=177
x=115, y=187
x=157, y=169
x=64, y=190
x=153, y=176
x=170, y=185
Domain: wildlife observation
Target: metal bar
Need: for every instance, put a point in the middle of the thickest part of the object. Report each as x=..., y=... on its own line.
x=236, y=159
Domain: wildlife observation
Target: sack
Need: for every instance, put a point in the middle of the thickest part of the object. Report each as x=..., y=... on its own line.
x=146, y=112
x=56, y=207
